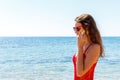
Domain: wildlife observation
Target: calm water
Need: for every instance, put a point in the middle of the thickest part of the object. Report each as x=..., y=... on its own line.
x=49, y=58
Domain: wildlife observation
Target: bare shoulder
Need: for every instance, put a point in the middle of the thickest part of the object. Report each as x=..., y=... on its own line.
x=96, y=46
x=92, y=55
x=95, y=49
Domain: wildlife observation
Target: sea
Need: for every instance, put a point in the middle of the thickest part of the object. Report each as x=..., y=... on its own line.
x=50, y=58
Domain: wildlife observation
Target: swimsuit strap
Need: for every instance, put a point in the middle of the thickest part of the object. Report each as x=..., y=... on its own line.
x=87, y=48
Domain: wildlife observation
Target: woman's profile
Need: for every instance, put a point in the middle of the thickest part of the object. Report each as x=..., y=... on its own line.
x=90, y=47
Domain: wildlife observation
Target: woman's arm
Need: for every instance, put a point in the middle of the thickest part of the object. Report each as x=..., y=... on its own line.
x=82, y=65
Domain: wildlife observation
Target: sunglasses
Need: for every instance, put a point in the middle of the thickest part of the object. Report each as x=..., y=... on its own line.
x=77, y=28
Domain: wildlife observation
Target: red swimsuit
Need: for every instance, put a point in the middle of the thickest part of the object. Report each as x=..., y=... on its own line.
x=89, y=75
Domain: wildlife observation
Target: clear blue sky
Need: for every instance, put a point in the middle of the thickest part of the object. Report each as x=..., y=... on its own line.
x=56, y=17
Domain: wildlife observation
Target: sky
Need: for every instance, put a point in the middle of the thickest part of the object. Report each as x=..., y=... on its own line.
x=56, y=17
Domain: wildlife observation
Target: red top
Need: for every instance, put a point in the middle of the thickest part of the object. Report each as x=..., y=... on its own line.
x=89, y=75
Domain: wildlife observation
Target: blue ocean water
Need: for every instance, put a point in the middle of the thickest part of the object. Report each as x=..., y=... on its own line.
x=50, y=58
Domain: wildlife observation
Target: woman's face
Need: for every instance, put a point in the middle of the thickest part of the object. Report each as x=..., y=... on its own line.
x=78, y=28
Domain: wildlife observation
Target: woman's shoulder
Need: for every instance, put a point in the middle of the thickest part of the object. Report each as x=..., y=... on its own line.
x=94, y=51
x=95, y=46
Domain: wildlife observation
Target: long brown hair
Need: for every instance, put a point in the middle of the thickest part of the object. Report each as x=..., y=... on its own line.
x=91, y=30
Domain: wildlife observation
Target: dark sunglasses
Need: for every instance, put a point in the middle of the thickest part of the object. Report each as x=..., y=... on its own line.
x=77, y=28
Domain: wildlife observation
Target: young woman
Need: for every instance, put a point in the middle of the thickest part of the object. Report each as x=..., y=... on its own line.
x=89, y=45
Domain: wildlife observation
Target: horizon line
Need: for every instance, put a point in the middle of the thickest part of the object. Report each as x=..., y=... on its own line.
x=52, y=36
